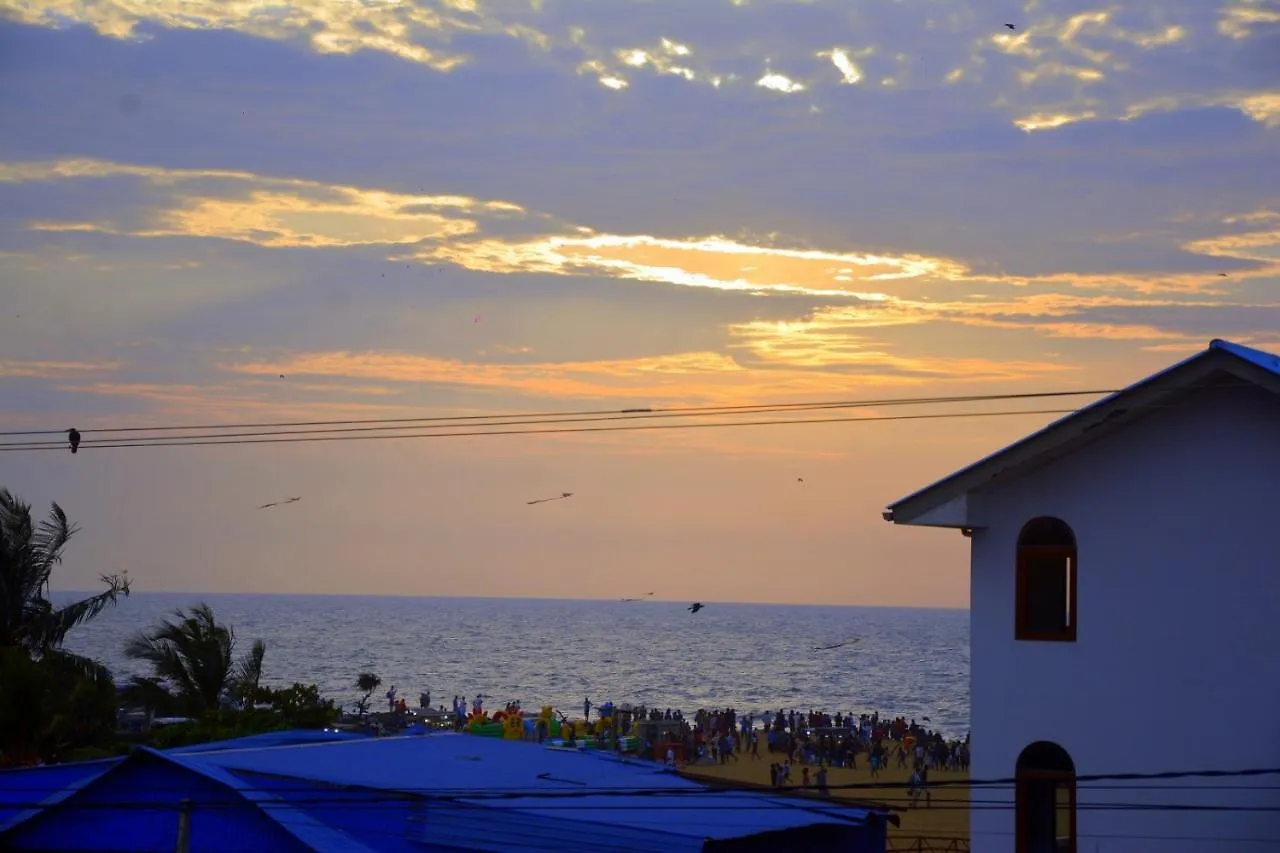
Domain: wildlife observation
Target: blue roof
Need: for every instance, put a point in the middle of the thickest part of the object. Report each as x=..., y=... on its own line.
x=404, y=794
x=639, y=796
x=20, y=789
x=285, y=738
x=946, y=488
x=446, y=762
x=1265, y=360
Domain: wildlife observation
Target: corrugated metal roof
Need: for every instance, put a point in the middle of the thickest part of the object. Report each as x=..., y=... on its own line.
x=1069, y=428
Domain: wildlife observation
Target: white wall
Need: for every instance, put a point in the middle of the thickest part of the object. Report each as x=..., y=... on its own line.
x=1177, y=663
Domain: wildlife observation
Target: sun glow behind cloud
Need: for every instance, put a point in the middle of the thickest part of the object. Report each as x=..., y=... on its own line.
x=415, y=208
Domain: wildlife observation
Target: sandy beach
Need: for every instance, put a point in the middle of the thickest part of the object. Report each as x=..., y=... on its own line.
x=946, y=821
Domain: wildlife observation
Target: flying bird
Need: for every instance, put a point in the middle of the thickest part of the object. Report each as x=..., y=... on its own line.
x=799, y=479
x=1011, y=26
x=696, y=606
x=563, y=495
x=834, y=645
x=73, y=439
x=1224, y=275
x=280, y=503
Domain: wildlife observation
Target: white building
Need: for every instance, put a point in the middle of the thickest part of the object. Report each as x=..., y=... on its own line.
x=1159, y=651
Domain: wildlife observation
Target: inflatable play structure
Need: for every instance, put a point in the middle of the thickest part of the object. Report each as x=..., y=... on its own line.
x=548, y=727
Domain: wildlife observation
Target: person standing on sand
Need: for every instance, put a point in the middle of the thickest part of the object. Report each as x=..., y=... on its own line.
x=586, y=709
x=822, y=781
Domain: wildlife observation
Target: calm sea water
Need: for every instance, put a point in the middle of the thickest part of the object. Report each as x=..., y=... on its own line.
x=753, y=657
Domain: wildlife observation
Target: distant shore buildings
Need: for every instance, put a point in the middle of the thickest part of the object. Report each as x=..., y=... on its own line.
x=1124, y=602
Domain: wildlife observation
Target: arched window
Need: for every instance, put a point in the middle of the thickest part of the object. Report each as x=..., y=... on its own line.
x=1046, y=570
x=1046, y=800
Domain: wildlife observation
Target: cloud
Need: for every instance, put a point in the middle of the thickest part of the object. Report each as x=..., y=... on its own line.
x=1072, y=62
x=327, y=26
x=15, y=369
x=267, y=211
x=696, y=376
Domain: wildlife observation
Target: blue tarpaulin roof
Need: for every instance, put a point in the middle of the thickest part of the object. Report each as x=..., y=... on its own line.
x=291, y=737
x=435, y=792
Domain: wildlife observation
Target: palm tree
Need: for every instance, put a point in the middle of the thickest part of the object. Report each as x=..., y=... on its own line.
x=193, y=658
x=28, y=553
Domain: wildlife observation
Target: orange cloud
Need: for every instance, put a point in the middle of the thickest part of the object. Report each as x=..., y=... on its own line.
x=268, y=211
x=684, y=377
x=14, y=369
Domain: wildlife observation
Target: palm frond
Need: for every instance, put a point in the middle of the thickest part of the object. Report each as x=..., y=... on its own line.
x=244, y=682
x=79, y=665
x=53, y=628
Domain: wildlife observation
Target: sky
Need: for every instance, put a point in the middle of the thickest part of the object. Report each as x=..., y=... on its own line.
x=218, y=212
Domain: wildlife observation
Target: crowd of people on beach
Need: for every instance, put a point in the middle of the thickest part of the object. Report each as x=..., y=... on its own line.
x=816, y=741
x=812, y=742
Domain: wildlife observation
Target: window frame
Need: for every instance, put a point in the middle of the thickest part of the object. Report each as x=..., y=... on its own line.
x=1020, y=630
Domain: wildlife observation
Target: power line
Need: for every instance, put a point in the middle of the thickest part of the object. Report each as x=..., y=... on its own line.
x=635, y=414
x=671, y=410
x=711, y=785
x=15, y=448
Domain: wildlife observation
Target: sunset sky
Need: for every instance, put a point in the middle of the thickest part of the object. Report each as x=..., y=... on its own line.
x=418, y=208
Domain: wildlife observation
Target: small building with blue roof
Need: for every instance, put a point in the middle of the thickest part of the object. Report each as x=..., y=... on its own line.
x=1124, y=601
x=441, y=792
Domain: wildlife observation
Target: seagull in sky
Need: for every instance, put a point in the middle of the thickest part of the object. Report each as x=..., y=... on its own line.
x=280, y=503
x=563, y=495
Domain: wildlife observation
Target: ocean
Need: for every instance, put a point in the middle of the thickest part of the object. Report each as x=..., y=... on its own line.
x=753, y=657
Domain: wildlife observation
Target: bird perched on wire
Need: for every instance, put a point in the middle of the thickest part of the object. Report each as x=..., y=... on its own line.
x=73, y=439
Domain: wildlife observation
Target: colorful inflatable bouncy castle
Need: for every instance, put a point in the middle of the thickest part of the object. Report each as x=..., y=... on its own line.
x=477, y=720
x=512, y=723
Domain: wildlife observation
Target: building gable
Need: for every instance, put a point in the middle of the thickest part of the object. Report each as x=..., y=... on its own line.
x=947, y=502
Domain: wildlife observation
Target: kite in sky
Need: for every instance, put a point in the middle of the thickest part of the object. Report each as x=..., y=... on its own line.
x=563, y=495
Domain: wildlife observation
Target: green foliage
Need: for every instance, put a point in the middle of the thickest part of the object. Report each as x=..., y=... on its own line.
x=49, y=707
x=51, y=701
x=368, y=682
x=191, y=659
x=297, y=707
x=302, y=706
